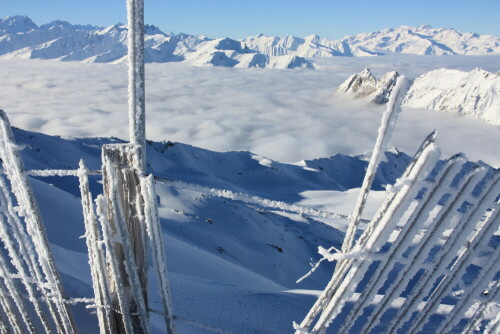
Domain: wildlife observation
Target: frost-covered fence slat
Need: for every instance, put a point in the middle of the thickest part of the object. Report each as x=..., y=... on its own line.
x=416, y=172
x=478, y=316
x=136, y=81
x=423, y=150
x=96, y=256
x=25, y=277
x=384, y=133
x=375, y=236
x=20, y=249
x=12, y=303
x=156, y=241
x=481, y=239
x=466, y=301
x=437, y=223
x=121, y=179
x=25, y=258
x=21, y=188
x=426, y=152
x=447, y=254
x=426, y=203
x=431, y=232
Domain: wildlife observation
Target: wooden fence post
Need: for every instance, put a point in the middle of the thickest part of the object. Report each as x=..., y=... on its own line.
x=121, y=182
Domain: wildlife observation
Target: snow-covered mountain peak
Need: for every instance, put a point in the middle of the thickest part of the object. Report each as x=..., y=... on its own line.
x=360, y=84
x=424, y=27
x=364, y=84
x=16, y=24
x=228, y=44
x=21, y=38
x=119, y=27
x=312, y=38
x=69, y=26
x=150, y=29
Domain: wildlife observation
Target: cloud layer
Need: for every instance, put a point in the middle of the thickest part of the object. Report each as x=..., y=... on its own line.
x=286, y=115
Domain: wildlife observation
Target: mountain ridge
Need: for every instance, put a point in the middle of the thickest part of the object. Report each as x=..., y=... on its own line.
x=20, y=37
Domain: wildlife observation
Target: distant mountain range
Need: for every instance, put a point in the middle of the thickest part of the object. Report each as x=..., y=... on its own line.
x=20, y=37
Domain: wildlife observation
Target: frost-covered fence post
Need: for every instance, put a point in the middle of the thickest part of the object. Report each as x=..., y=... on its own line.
x=21, y=187
x=125, y=213
x=156, y=241
x=136, y=82
x=96, y=256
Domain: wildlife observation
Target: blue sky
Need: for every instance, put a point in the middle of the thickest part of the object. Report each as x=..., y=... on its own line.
x=237, y=19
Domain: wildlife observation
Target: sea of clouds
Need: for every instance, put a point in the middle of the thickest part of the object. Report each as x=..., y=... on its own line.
x=285, y=115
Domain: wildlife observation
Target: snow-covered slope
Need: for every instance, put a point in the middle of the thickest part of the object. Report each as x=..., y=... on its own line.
x=237, y=238
x=475, y=93
x=22, y=38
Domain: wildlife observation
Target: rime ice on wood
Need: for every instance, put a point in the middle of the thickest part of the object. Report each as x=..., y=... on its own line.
x=384, y=133
x=437, y=223
x=136, y=84
x=425, y=158
x=156, y=241
x=24, y=257
x=374, y=237
x=432, y=231
x=21, y=188
x=402, y=242
x=115, y=273
x=121, y=180
x=8, y=291
x=460, y=235
x=96, y=256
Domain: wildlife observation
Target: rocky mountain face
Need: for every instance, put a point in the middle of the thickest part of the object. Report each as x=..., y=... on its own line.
x=475, y=93
x=364, y=84
x=20, y=37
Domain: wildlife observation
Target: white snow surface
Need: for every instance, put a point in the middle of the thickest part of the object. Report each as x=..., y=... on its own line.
x=475, y=93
